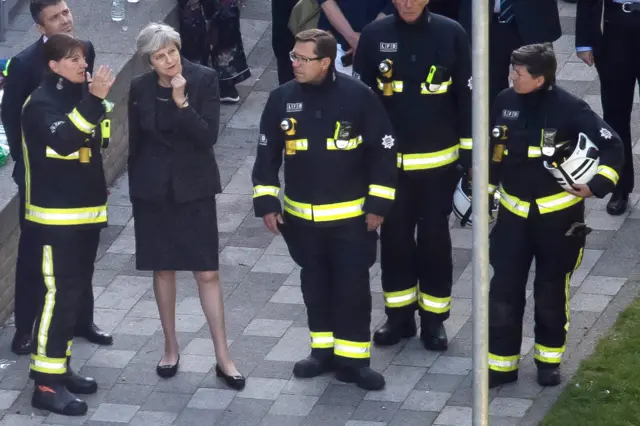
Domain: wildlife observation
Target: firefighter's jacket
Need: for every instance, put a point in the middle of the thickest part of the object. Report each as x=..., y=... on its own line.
x=339, y=152
x=422, y=73
x=526, y=129
x=64, y=128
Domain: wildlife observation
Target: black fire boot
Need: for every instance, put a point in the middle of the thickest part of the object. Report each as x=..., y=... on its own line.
x=320, y=361
x=57, y=399
x=364, y=377
x=497, y=378
x=76, y=383
x=433, y=336
x=549, y=376
x=395, y=330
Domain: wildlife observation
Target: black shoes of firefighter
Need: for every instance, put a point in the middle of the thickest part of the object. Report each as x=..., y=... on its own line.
x=618, y=203
x=21, y=344
x=549, y=376
x=434, y=336
x=57, y=399
x=76, y=383
x=313, y=366
x=395, y=330
x=93, y=334
x=234, y=382
x=364, y=377
x=498, y=379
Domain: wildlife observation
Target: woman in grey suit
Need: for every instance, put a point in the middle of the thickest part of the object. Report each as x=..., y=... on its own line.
x=174, y=114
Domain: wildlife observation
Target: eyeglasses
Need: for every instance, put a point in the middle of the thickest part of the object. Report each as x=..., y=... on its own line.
x=294, y=57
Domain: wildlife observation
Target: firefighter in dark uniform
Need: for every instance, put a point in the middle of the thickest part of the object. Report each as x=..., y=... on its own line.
x=608, y=36
x=64, y=128
x=419, y=64
x=544, y=143
x=340, y=177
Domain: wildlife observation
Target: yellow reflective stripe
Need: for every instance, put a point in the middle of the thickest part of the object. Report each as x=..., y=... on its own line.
x=466, y=143
x=444, y=88
x=609, y=173
x=51, y=153
x=430, y=160
x=5, y=71
x=533, y=152
x=45, y=365
x=514, y=204
x=398, y=299
x=49, y=300
x=301, y=144
x=69, y=343
x=547, y=354
x=396, y=86
x=321, y=339
x=399, y=160
x=108, y=105
x=349, y=349
x=301, y=210
x=504, y=364
x=492, y=189
x=382, y=192
x=351, y=144
x=324, y=212
x=437, y=305
x=261, y=190
x=80, y=122
x=557, y=202
x=72, y=216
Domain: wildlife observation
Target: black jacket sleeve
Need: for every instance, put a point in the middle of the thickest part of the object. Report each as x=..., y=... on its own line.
x=462, y=86
x=588, y=22
x=202, y=126
x=64, y=133
x=16, y=92
x=363, y=66
x=382, y=157
x=609, y=144
x=266, y=184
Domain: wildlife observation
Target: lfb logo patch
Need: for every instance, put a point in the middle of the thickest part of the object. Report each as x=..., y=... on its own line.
x=388, y=47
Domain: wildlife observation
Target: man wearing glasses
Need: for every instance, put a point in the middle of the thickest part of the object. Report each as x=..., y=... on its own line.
x=340, y=177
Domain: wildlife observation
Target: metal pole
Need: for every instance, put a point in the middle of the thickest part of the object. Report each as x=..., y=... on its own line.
x=480, y=211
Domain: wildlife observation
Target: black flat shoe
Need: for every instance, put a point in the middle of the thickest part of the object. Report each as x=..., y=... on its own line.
x=21, y=344
x=167, y=371
x=234, y=382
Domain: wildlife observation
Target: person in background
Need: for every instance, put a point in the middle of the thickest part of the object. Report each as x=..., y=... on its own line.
x=23, y=75
x=345, y=19
x=282, y=41
x=174, y=113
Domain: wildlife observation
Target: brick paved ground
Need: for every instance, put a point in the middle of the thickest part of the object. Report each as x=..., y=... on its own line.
x=266, y=318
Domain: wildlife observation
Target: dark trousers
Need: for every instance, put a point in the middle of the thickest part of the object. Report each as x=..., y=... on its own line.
x=282, y=40
x=29, y=291
x=618, y=64
x=65, y=265
x=503, y=40
x=514, y=243
x=419, y=272
x=335, y=264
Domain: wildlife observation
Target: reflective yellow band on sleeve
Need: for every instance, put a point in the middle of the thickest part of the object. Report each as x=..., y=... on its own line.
x=437, y=305
x=504, y=364
x=69, y=343
x=262, y=190
x=5, y=71
x=382, y=192
x=349, y=349
x=466, y=143
x=398, y=299
x=321, y=339
x=79, y=121
x=609, y=173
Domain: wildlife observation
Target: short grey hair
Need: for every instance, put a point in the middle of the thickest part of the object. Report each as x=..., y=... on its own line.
x=154, y=37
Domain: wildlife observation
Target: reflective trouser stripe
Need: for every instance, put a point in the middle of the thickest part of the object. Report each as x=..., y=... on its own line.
x=382, y=192
x=430, y=160
x=321, y=339
x=45, y=365
x=72, y=216
x=437, y=305
x=466, y=143
x=504, y=364
x=547, y=354
x=324, y=212
x=80, y=122
x=261, y=190
x=609, y=173
x=348, y=349
x=398, y=299
x=49, y=300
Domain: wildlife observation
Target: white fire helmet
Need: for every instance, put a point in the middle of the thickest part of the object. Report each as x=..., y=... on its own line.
x=579, y=167
x=462, y=202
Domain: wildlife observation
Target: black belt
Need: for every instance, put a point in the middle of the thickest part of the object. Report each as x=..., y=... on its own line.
x=628, y=7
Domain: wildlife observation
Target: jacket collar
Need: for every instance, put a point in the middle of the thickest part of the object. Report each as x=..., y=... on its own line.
x=65, y=88
x=328, y=81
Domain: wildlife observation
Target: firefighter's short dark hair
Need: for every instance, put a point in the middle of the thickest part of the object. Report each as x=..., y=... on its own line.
x=326, y=44
x=62, y=46
x=37, y=6
x=538, y=59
